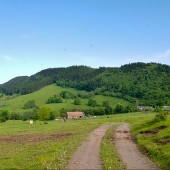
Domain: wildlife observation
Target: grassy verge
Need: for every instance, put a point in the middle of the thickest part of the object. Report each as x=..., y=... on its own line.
x=110, y=157
x=154, y=140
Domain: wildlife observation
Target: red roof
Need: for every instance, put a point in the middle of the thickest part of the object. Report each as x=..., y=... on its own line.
x=75, y=113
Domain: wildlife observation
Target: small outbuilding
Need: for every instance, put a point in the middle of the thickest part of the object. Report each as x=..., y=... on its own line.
x=166, y=108
x=75, y=115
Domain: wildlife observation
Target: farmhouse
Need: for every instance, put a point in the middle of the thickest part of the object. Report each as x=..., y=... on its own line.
x=71, y=115
x=145, y=108
x=166, y=107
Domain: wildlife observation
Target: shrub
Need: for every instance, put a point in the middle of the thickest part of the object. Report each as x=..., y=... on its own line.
x=160, y=117
x=66, y=95
x=89, y=112
x=55, y=99
x=44, y=113
x=105, y=103
x=83, y=95
x=4, y=114
x=2, y=119
x=52, y=115
x=29, y=104
x=98, y=111
x=63, y=113
x=92, y=102
x=108, y=110
x=77, y=101
x=30, y=115
x=15, y=116
x=119, y=109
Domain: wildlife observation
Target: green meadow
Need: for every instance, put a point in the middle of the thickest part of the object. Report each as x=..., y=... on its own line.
x=45, y=146
x=16, y=103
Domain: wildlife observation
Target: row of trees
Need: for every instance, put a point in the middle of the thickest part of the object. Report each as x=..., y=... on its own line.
x=45, y=113
x=91, y=102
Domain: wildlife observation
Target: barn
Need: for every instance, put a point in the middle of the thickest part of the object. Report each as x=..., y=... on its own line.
x=75, y=115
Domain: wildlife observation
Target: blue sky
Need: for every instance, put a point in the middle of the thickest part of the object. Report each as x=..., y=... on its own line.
x=40, y=34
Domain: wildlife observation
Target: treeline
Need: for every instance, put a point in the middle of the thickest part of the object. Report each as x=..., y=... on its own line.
x=42, y=114
x=140, y=83
x=45, y=113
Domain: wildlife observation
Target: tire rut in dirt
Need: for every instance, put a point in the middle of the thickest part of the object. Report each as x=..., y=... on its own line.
x=87, y=155
x=128, y=150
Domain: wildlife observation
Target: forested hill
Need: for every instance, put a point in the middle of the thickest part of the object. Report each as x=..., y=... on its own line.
x=147, y=84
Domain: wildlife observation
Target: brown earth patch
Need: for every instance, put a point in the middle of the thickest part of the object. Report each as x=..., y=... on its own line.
x=124, y=135
x=153, y=131
x=164, y=141
x=28, y=138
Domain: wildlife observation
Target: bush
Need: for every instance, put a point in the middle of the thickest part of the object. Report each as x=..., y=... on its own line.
x=130, y=108
x=63, y=113
x=119, y=109
x=67, y=95
x=29, y=104
x=15, y=116
x=83, y=95
x=2, y=119
x=98, y=111
x=55, y=99
x=105, y=103
x=77, y=101
x=108, y=110
x=30, y=115
x=44, y=113
x=4, y=114
x=89, y=112
x=160, y=117
x=92, y=102
x=52, y=115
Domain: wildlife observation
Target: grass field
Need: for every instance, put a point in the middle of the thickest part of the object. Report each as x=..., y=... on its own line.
x=42, y=146
x=16, y=103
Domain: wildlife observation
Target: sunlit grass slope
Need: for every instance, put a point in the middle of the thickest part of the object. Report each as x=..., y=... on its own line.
x=41, y=96
x=154, y=139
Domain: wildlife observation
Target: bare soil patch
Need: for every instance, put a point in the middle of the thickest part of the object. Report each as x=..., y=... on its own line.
x=26, y=138
x=153, y=131
x=164, y=141
x=128, y=150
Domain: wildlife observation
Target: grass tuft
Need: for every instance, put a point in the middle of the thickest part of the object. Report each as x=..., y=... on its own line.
x=110, y=157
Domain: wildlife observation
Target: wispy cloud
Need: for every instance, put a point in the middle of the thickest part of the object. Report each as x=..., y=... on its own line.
x=165, y=55
x=9, y=58
x=162, y=57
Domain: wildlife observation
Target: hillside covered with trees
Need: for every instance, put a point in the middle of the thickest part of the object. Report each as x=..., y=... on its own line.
x=144, y=84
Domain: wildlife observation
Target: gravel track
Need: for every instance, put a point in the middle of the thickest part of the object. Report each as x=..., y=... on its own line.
x=87, y=155
x=129, y=152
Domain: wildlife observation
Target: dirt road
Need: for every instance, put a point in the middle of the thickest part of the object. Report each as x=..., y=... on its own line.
x=87, y=155
x=129, y=151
